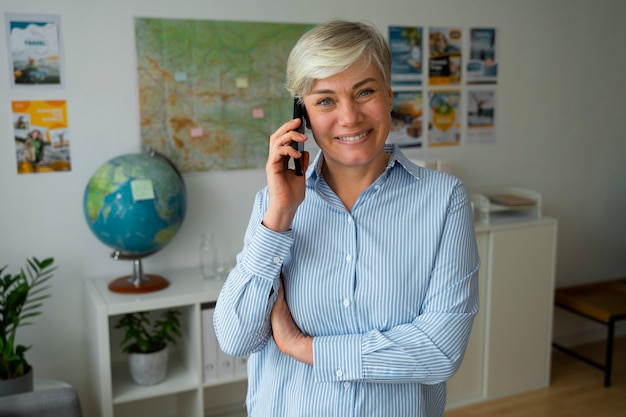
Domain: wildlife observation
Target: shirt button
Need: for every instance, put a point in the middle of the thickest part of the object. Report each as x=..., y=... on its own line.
x=339, y=373
x=346, y=385
x=377, y=187
x=346, y=302
x=276, y=259
x=348, y=258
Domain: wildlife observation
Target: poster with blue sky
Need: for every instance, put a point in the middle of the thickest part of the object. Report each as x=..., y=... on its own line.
x=405, y=44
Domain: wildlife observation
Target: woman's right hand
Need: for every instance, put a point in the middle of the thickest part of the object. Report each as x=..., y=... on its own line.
x=286, y=189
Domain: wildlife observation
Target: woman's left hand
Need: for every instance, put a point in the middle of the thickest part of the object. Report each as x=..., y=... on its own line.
x=287, y=336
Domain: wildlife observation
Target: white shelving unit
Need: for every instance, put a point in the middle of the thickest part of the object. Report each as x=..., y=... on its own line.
x=183, y=391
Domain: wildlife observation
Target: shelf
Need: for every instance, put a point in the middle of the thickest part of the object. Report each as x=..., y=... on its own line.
x=179, y=379
x=190, y=288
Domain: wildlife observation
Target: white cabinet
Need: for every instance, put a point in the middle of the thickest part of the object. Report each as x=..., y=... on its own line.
x=184, y=392
x=510, y=345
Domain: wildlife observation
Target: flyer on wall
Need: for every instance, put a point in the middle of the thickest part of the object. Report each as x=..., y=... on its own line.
x=444, y=122
x=444, y=56
x=481, y=108
x=406, y=119
x=405, y=44
x=42, y=138
x=482, y=65
x=35, y=52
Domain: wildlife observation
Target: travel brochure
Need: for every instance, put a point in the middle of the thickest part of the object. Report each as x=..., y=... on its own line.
x=36, y=63
x=444, y=81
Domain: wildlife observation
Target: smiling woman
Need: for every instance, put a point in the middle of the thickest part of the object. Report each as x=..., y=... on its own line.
x=356, y=288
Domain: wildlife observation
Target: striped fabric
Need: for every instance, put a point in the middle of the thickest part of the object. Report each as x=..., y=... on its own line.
x=388, y=291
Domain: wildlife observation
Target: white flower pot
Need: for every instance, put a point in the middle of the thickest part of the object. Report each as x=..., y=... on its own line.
x=148, y=368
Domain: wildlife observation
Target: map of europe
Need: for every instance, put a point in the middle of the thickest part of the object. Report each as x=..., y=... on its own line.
x=212, y=92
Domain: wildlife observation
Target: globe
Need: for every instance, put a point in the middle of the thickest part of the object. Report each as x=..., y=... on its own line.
x=135, y=204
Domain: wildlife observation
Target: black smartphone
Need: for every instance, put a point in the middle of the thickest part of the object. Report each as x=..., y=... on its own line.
x=298, y=112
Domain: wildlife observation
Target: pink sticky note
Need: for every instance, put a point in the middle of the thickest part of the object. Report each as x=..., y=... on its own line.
x=196, y=132
x=258, y=113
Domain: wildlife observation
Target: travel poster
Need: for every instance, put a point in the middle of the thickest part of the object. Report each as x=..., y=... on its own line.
x=405, y=44
x=482, y=65
x=42, y=137
x=406, y=119
x=444, y=56
x=444, y=123
x=481, y=117
x=35, y=53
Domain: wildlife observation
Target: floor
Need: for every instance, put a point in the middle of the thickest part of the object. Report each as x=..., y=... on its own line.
x=576, y=390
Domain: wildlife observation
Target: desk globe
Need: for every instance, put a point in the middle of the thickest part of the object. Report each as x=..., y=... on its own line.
x=135, y=204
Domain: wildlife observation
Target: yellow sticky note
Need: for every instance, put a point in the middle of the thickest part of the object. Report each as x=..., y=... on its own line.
x=142, y=190
x=241, y=82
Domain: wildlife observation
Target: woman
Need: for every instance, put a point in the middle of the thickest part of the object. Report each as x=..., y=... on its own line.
x=356, y=289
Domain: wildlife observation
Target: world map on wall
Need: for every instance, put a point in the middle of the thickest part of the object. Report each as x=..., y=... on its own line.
x=212, y=92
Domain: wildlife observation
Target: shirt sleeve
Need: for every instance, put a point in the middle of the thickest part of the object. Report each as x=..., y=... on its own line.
x=429, y=349
x=242, y=311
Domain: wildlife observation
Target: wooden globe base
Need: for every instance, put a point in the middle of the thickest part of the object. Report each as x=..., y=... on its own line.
x=128, y=285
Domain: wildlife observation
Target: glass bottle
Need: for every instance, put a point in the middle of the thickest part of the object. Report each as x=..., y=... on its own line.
x=208, y=256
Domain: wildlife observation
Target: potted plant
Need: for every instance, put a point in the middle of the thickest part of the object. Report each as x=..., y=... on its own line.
x=146, y=342
x=21, y=297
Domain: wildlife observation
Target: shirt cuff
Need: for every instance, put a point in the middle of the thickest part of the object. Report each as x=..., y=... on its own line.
x=337, y=358
x=267, y=251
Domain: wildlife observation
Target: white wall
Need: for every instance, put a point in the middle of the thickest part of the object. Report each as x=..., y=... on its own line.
x=560, y=131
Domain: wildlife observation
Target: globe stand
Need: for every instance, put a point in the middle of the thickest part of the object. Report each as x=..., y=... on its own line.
x=138, y=282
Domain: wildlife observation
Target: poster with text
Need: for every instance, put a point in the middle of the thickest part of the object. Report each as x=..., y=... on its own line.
x=444, y=56
x=444, y=122
x=405, y=44
x=481, y=108
x=406, y=119
x=35, y=52
x=41, y=135
x=482, y=65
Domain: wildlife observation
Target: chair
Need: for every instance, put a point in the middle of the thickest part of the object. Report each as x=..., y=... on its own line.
x=54, y=402
x=603, y=302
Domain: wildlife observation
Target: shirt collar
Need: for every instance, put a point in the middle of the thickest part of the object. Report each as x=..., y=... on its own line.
x=396, y=158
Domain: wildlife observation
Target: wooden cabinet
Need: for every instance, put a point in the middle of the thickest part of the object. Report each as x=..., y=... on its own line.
x=510, y=345
x=509, y=349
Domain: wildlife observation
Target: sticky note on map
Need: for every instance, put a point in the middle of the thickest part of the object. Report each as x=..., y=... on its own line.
x=195, y=132
x=142, y=190
x=180, y=76
x=258, y=113
x=241, y=82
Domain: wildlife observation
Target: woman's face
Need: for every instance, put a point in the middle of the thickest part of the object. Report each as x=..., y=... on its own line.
x=349, y=116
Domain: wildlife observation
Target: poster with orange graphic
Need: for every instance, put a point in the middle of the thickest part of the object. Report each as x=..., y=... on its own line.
x=444, y=122
x=42, y=137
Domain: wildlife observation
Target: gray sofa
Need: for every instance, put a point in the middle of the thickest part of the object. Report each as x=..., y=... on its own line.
x=54, y=402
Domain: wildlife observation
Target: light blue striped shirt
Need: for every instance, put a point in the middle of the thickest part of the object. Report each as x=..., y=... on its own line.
x=388, y=291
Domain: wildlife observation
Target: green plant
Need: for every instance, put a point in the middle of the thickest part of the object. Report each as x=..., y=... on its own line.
x=21, y=297
x=142, y=335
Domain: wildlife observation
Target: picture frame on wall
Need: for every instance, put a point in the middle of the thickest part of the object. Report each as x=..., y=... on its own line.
x=35, y=50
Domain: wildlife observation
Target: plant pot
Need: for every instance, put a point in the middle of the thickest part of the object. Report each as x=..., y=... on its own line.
x=148, y=368
x=17, y=385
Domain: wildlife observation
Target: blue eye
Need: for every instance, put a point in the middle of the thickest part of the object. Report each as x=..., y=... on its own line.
x=325, y=102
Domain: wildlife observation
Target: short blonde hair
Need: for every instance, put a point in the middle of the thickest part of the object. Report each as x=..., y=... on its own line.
x=331, y=48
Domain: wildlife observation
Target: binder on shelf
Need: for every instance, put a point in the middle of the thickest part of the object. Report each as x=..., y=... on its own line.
x=209, y=345
x=505, y=204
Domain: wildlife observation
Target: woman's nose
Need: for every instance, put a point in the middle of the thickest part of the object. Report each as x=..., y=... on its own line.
x=348, y=113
